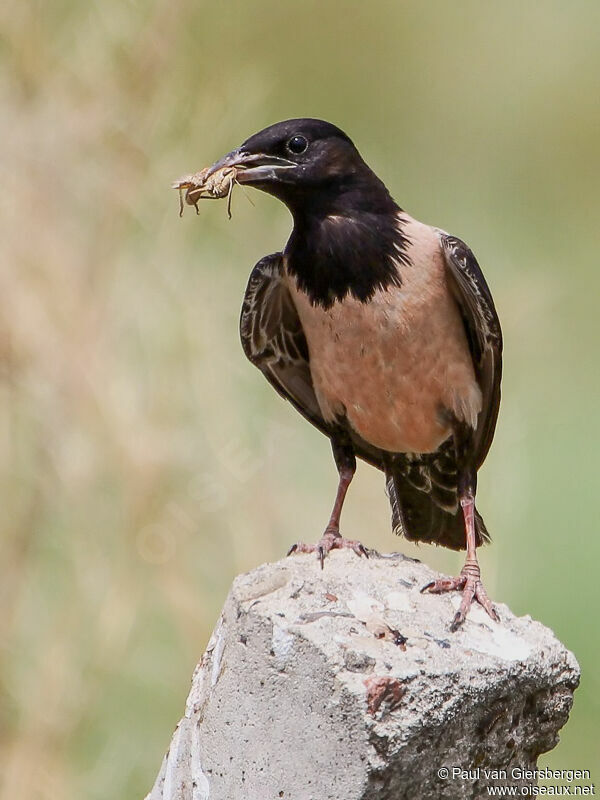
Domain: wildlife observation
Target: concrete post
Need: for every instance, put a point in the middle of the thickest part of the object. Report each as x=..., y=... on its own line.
x=346, y=684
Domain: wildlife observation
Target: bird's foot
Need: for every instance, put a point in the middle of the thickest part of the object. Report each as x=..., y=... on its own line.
x=469, y=581
x=331, y=540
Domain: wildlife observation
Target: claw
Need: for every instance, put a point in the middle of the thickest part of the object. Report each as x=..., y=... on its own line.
x=472, y=589
x=484, y=600
x=444, y=585
x=331, y=540
x=456, y=622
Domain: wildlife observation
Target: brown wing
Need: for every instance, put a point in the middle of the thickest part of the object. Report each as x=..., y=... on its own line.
x=483, y=331
x=273, y=339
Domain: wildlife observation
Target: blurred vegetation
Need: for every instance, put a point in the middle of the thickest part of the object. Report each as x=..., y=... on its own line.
x=144, y=462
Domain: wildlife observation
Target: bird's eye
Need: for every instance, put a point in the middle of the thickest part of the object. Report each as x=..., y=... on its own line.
x=297, y=144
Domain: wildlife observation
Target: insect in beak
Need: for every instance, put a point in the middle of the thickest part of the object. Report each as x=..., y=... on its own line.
x=208, y=184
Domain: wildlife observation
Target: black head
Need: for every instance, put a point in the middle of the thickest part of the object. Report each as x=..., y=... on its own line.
x=308, y=163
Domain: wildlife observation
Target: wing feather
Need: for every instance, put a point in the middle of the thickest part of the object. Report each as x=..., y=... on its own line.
x=483, y=331
x=273, y=339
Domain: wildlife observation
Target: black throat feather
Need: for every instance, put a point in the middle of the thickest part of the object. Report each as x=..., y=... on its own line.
x=345, y=252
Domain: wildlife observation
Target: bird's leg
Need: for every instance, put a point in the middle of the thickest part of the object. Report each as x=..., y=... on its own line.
x=332, y=539
x=469, y=580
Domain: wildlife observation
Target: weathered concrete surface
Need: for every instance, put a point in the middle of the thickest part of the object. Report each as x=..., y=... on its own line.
x=296, y=696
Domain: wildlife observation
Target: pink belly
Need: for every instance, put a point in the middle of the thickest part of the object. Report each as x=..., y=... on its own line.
x=396, y=365
x=391, y=400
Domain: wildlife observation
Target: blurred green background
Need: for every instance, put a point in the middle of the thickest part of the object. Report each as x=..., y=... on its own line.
x=144, y=461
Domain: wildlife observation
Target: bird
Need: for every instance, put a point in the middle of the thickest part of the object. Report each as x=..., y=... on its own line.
x=382, y=332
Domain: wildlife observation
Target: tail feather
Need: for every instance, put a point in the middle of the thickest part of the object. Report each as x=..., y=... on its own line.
x=418, y=517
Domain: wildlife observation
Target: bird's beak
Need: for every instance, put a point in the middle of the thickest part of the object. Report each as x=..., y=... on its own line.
x=252, y=167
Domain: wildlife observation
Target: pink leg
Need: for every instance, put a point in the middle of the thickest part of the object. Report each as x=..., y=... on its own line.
x=469, y=579
x=331, y=538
